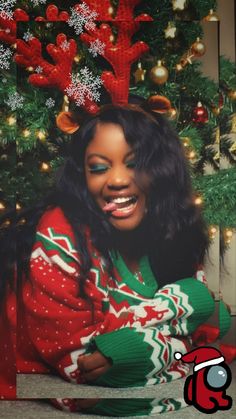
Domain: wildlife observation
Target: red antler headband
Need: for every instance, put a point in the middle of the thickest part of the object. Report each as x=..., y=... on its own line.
x=120, y=54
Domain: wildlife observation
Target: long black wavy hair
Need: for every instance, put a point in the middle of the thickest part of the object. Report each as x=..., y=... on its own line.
x=177, y=236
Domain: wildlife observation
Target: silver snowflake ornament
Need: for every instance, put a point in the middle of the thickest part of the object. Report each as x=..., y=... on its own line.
x=28, y=36
x=97, y=47
x=84, y=85
x=5, y=56
x=6, y=7
x=38, y=69
x=38, y=2
x=50, y=103
x=82, y=17
x=15, y=101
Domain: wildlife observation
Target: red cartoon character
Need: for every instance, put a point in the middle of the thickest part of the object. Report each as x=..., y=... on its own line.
x=205, y=389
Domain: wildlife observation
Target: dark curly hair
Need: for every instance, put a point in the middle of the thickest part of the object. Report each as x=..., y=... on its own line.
x=174, y=229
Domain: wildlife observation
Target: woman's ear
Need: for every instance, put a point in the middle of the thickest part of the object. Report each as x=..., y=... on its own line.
x=67, y=123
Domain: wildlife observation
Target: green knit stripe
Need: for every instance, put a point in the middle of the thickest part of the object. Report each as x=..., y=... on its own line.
x=50, y=245
x=129, y=370
x=121, y=297
x=224, y=319
x=122, y=407
x=148, y=287
x=200, y=300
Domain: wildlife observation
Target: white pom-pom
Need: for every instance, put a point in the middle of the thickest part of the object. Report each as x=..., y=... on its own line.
x=178, y=355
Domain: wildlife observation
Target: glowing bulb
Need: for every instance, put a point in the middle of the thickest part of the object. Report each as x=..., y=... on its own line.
x=198, y=201
x=11, y=120
x=18, y=206
x=213, y=230
x=41, y=135
x=2, y=206
x=44, y=167
x=192, y=154
x=229, y=233
x=26, y=133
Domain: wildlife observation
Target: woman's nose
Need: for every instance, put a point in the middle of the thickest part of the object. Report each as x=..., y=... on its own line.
x=118, y=178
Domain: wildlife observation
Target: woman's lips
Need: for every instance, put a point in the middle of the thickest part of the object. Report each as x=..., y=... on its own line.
x=120, y=212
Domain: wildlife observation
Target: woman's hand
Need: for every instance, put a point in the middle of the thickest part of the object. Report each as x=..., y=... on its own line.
x=93, y=366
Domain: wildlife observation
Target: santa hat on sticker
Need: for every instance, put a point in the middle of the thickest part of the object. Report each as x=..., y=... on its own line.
x=202, y=357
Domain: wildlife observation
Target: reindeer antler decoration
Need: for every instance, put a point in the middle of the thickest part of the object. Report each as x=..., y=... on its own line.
x=120, y=55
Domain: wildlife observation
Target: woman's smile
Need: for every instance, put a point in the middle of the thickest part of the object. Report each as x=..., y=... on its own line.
x=110, y=177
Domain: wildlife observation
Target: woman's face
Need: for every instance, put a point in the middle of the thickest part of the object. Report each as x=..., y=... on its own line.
x=110, y=177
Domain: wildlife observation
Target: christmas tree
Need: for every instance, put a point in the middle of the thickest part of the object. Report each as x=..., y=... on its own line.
x=67, y=55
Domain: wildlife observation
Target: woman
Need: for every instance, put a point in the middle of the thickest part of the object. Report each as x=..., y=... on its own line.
x=111, y=291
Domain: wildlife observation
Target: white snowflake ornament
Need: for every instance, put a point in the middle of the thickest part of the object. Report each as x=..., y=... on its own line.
x=38, y=69
x=38, y=2
x=84, y=85
x=5, y=56
x=6, y=7
x=50, y=103
x=82, y=17
x=28, y=36
x=97, y=47
x=15, y=101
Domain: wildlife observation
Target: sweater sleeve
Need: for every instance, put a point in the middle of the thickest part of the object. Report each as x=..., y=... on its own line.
x=59, y=319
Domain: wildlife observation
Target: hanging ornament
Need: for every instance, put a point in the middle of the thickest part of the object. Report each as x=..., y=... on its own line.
x=215, y=110
x=139, y=74
x=221, y=100
x=159, y=74
x=200, y=114
x=65, y=104
x=172, y=114
x=170, y=31
x=185, y=60
x=77, y=58
x=212, y=17
x=232, y=94
x=179, y=4
x=198, y=48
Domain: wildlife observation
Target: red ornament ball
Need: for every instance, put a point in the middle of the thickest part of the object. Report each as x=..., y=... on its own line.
x=200, y=114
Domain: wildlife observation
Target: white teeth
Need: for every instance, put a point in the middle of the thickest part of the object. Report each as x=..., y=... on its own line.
x=121, y=199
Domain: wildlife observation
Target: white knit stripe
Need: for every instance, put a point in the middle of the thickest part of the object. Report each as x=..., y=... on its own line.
x=157, y=356
x=55, y=259
x=97, y=277
x=59, y=246
x=207, y=363
x=173, y=292
x=62, y=237
x=73, y=366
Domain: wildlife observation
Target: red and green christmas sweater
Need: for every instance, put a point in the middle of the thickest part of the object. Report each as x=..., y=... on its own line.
x=136, y=324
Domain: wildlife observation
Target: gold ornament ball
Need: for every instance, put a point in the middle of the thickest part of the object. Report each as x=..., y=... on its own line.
x=77, y=58
x=212, y=17
x=232, y=94
x=179, y=4
x=159, y=74
x=198, y=48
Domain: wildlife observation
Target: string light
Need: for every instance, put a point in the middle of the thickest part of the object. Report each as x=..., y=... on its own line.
x=26, y=133
x=2, y=206
x=11, y=120
x=45, y=167
x=41, y=135
x=198, y=200
x=212, y=232
x=228, y=234
x=18, y=206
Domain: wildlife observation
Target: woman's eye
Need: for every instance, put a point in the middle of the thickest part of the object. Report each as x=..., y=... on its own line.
x=131, y=164
x=98, y=168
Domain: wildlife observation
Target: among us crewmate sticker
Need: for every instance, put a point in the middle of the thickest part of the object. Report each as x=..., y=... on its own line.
x=206, y=388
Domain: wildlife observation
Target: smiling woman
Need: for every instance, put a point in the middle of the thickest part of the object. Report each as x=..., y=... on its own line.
x=112, y=256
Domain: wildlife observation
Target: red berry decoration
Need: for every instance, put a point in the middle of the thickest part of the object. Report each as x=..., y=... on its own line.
x=200, y=114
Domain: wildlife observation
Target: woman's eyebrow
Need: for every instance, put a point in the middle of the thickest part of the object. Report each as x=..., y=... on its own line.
x=106, y=158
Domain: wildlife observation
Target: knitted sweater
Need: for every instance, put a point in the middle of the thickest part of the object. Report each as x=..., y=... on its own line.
x=135, y=324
